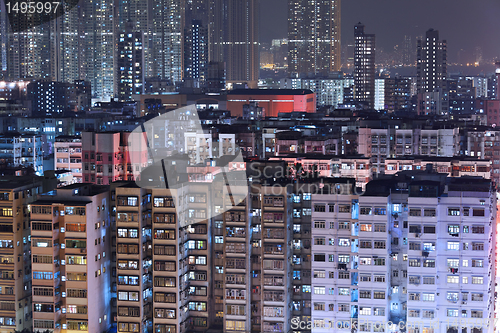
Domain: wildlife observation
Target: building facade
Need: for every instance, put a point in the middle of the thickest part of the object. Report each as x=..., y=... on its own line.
x=432, y=68
x=71, y=254
x=364, y=66
x=234, y=33
x=314, y=31
x=15, y=265
x=416, y=250
x=68, y=156
x=107, y=156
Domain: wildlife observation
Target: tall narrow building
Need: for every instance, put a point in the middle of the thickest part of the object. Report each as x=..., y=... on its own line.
x=99, y=48
x=313, y=37
x=196, y=51
x=130, y=65
x=364, y=66
x=432, y=72
x=431, y=62
x=71, y=252
x=234, y=35
x=3, y=39
x=16, y=193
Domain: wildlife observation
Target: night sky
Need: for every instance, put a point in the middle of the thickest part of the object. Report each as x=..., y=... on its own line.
x=465, y=24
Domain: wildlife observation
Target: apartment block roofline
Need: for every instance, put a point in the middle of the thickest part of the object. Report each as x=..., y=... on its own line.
x=270, y=92
x=11, y=182
x=436, y=158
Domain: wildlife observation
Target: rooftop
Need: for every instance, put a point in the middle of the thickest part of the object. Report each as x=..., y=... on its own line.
x=270, y=92
x=13, y=182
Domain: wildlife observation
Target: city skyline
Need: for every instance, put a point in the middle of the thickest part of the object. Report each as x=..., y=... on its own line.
x=162, y=170
x=411, y=18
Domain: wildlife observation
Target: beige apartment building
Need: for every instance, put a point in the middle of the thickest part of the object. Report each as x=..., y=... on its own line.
x=70, y=246
x=16, y=193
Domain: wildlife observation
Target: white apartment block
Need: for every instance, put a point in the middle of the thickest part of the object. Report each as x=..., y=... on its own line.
x=377, y=144
x=380, y=144
x=198, y=146
x=201, y=145
x=453, y=166
x=414, y=249
x=68, y=156
x=379, y=94
x=439, y=142
x=22, y=150
x=329, y=91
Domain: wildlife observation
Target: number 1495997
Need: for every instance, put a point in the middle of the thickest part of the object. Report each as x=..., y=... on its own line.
x=32, y=7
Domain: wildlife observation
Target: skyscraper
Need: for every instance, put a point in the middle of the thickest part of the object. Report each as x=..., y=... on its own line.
x=28, y=52
x=431, y=62
x=3, y=39
x=234, y=37
x=408, y=51
x=161, y=23
x=364, y=65
x=431, y=72
x=314, y=37
x=196, y=51
x=130, y=64
x=99, y=47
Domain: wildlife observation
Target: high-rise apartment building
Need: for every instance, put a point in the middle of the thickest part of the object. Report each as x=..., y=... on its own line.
x=432, y=67
x=364, y=66
x=16, y=193
x=69, y=55
x=165, y=256
x=71, y=253
x=234, y=39
x=196, y=51
x=130, y=79
x=28, y=52
x=431, y=62
x=271, y=274
x=417, y=248
x=313, y=37
x=99, y=47
x=3, y=40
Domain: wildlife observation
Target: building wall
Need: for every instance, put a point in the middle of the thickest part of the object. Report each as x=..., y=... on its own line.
x=16, y=292
x=71, y=248
x=68, y=156
x=401, y=257
x=108, y=157
x=272, y=104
